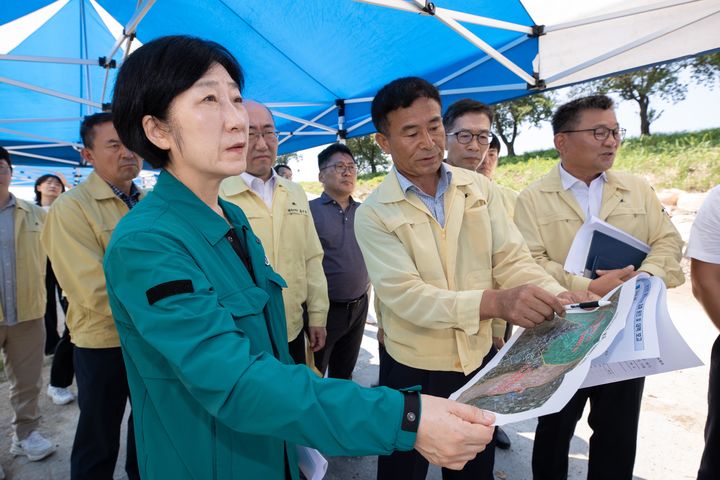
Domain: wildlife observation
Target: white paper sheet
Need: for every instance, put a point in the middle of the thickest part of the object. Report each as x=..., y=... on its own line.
x=674, y=352
x=311, y=462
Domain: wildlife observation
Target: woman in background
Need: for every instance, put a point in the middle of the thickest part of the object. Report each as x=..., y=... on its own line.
x=47, y=189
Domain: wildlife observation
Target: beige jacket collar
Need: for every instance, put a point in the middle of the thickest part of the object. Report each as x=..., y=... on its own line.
x=612, y=191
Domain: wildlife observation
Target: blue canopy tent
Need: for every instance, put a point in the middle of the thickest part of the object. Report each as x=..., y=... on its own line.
x=318, y=63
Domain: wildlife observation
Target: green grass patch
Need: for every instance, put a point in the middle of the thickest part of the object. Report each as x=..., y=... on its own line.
x=689, y=161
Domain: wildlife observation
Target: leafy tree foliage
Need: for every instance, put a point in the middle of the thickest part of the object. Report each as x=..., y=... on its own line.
x=285, y=158
x=660, y=81
x=368, y=154
x=510, y=115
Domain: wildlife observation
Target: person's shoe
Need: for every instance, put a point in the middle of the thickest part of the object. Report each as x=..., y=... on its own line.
x=35, y=446
x=502, y=441
x=59, y=395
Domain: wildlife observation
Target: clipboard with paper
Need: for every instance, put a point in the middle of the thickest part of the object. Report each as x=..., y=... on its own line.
x=599, y=245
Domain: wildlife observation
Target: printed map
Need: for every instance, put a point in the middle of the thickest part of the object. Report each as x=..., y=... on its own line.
x=534, y=366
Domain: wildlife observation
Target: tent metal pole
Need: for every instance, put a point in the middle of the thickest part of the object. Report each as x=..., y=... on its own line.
x=617, y=51
x=33, y=58
x=618, y=14
x=454, y=14
x=303, y=121
x=84, y=46
x=32, y=147
x=304, y=134
x=495, y=88
x=42, y=157
x=482, y=45
x=132, y=24
x=299, y=131
x=359, y=124
x=359, y=100
x=293, y=104
x=47, y=91
x=341, y=131
x=9, y=131
x=486, y=58
x=39, y=120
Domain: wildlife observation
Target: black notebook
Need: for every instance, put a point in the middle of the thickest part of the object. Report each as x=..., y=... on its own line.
x=608, y=253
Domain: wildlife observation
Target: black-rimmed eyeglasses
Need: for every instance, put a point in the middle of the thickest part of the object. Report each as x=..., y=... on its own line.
x=341, y=169
x=268, y=136
x=602, y=133
x=464, y=137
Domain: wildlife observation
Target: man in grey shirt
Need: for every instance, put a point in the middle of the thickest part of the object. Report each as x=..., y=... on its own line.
x=347, y=277
x=22, y=328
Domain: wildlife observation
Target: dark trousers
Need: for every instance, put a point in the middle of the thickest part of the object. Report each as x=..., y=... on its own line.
x=345, y=328
x=614, y=416
x=411, y=465
x=710, y=463
x=297, y=348
x=51, y=323
x=102, y=394
x=62, y=370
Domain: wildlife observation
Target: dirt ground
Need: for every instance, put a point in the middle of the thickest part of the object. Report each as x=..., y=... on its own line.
x=670, y=439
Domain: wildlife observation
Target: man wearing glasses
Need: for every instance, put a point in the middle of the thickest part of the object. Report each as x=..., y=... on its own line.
x=471, y=145
x=549, y=213
x=280, y=216
x=347, y=277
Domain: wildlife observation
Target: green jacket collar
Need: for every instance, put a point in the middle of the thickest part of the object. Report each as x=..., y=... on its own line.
x=182, y=200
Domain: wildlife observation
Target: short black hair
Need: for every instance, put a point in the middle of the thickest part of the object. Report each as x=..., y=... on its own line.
x=40, y=180
x=400, y=93
x=280, y=166
x=87, y=132
x=5, y=155
x=495, y=143
x=332, y=149
x=568, y=114
x=463, y=107
x=151, y=78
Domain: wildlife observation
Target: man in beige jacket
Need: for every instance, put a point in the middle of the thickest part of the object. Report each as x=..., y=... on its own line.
x=76, y=234
x=280, y=216
x=436, y=241
x=22, y=302
x=549, y=213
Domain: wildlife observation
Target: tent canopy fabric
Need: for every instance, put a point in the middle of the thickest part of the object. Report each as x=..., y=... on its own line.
x=318, y=63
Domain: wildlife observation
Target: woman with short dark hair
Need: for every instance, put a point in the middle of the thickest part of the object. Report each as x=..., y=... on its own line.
x=48, y=188
x=199, y=309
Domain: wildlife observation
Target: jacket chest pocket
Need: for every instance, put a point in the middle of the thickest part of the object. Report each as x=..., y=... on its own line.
x=416, y=234
x=478, y=228
x=558, y=226
x=632, y=220
x=246, y=307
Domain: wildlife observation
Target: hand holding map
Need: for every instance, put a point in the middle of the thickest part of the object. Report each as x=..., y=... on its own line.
x=524, y=306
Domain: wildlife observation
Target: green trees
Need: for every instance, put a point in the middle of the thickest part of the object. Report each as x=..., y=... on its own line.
x=509, y=116
x=368, y=154
x=663, y=81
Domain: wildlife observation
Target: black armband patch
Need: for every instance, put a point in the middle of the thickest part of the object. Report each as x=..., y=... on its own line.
x=168, y=289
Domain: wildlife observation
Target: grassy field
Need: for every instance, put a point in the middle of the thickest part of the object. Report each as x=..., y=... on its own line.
x=689, y=161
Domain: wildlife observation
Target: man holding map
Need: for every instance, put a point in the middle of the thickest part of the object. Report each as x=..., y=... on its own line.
x=549, y=213
x=436, y=240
